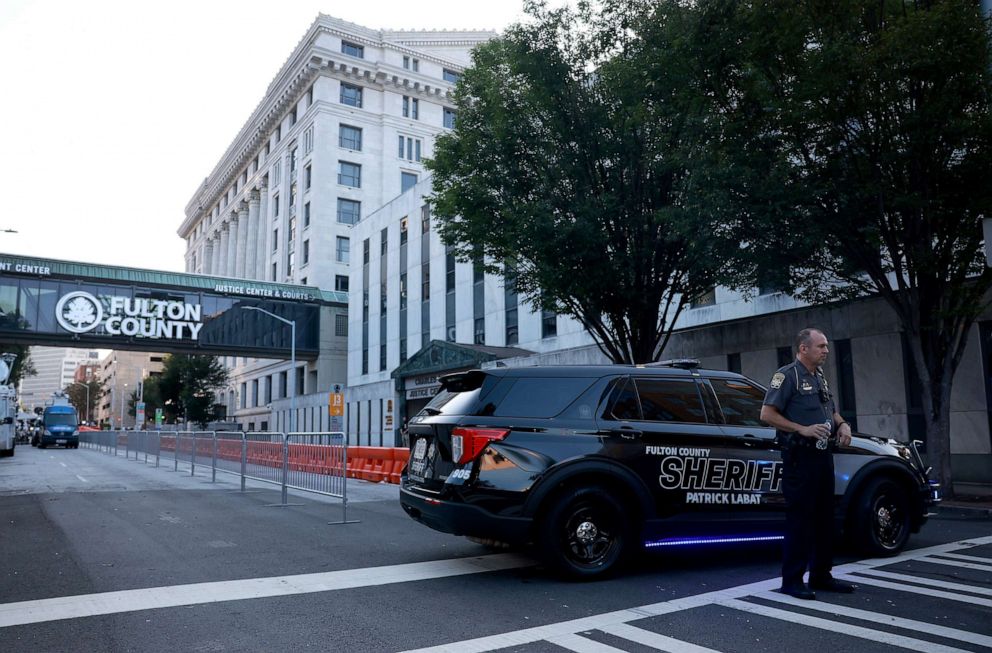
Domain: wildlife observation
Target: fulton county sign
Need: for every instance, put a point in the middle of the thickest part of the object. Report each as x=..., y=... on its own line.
x=81, y=312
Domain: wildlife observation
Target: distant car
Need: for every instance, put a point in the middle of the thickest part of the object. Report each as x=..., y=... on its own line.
x=589, y=463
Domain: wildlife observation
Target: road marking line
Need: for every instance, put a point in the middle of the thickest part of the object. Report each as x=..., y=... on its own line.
x=958, y=556
x=81, y=478
x=88, y=605
x=598, y=622
x=655, y=640
x=842, y=628
x=881, y=618
x=956, y=563
x=926, y=591
x=930, y=582
x=581, y=644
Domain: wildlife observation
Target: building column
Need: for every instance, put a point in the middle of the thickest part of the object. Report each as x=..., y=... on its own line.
x=251, y=237
x=208, y=256
x=263, y=234
x=222, y=258
x=232, y=246
x=242, y=244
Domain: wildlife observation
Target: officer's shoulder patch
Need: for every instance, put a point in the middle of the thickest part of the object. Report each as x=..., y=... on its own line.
x=777, y=380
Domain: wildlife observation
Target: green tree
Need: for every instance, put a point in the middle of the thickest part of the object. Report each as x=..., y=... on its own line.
x=856, y=138
x=186, y=387
x=569, y=164
x=151, y=396
x=77, y=393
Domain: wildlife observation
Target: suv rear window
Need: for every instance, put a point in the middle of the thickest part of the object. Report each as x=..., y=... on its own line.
x=539, y=396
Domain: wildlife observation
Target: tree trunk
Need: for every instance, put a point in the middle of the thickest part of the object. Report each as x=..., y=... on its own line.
x=936, y=379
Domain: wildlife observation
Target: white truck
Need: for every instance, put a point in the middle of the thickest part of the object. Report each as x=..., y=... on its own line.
x=8, y=407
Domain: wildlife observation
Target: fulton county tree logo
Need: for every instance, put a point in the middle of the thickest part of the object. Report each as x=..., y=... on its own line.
x=79, y=312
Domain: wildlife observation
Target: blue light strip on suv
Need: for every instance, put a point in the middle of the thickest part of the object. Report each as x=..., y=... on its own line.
x=691, y=541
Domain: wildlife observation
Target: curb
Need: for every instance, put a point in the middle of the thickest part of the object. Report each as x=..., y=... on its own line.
x=963, y=512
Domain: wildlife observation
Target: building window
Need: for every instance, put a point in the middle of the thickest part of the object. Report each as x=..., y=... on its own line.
x=410, y=148
x=407, y=181
x=274, y=271
x=341, y=283
x=349, y=211
x=411, y=107
x=383, y=241
x=411, y=64
x=306, y=215
x=734, y=363
x=307, y=137
x=404, y=236
x=290, y=262
x=254, y=393
x=425, y=218
x=306, y=251
x=341, y=252
x=450, y=76
x=351, y=95
x=276, y=172
x=549, y=324
x=425, y=282
x=510, y=301
x=350, y=137
x=349, y=174
x=275, y=206
x=403, y=292
x=382, y=356
x=307, y=177
x=268, y=394
x=278, y=133
x=449, y=118
x=275, y=240
x=353, y=49
x=341, y=324
x=303, y=281
x=283, y=385
x=243, y=400
x=365, y=252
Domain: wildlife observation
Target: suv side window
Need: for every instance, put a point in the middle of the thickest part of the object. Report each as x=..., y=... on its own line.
x=670, y=400
x=741, y=401
x=623, y=404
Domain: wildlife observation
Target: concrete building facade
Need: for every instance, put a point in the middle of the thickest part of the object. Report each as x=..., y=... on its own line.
x=122, y=372
x=56, y=369
x=343, y=128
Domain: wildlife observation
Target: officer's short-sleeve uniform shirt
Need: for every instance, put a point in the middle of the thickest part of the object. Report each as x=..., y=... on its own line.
x=795, y=392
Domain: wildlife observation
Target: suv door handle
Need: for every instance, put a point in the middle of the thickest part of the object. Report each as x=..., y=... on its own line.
x=627, y=433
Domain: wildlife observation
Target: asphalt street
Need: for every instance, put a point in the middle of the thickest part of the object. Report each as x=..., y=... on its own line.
x=106, y=554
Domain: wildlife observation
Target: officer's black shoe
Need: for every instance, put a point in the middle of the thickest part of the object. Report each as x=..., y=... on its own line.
x=798, y=591
x=832, y=585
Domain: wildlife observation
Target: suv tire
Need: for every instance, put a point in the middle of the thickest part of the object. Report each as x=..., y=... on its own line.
x=585, y=533
x=882, y=518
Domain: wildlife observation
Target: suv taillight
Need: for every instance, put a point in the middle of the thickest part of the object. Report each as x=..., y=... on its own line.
x=467, y=442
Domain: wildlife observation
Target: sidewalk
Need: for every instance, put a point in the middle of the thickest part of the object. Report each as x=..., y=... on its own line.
x=965, y=506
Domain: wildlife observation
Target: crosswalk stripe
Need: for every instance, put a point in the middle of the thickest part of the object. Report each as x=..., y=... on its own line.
x=926, y=591
x=844, y=629
x=581, y=644
x=655, y=640
x=880, y=618
x=959, y=556
x=956, y=563
x=929, y=582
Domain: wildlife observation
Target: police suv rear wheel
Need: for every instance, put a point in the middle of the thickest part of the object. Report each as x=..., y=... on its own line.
x=883, y=518
x=585, y=533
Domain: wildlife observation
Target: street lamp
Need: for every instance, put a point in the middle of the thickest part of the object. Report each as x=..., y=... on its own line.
x=123, y=394
x=292, y=356
x=87, y=386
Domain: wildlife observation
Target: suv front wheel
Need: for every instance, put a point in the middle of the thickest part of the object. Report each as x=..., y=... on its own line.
x=882, y=518
x=585, y=533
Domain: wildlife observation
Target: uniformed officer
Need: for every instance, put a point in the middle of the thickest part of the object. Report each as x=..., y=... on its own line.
x=800, y=407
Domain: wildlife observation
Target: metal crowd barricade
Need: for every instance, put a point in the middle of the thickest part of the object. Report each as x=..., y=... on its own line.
x=318, y=462
x=312, y=462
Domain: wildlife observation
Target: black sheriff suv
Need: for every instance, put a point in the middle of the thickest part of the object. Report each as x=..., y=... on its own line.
x=589, y=463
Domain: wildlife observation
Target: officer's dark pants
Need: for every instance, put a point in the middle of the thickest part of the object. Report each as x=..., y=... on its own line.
x=808, y=485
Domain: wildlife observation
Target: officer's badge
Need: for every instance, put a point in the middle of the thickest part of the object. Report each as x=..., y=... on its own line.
x=777, y=380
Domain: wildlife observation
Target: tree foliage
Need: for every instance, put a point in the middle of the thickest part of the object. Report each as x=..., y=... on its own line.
x=186, y=387
x=77, y=393
x=570, y=162
x=856, y=138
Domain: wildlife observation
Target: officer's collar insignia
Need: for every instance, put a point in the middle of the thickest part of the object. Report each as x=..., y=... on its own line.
x=777, y=380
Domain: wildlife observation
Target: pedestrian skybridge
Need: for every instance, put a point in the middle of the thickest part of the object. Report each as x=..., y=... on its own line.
x=69, y=304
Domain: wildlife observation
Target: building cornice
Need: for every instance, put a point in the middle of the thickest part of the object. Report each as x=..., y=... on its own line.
x=303, y=66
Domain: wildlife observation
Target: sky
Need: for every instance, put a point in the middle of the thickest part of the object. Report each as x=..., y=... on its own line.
x=114, y=111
